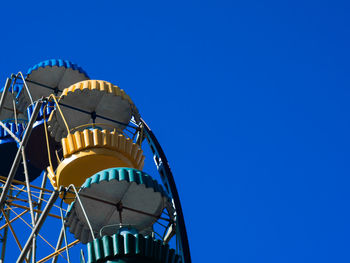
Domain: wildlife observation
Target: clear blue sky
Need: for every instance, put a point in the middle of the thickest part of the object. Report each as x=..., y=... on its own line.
x=249, y=99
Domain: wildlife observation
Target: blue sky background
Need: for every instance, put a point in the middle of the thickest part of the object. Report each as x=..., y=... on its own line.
x=249, y=99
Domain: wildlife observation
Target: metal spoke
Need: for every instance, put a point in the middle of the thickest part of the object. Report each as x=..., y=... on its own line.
x=82, y=208
x=47, y=242
x=58, y=251
x=64, y=233
x=13, y=232
x=38, y=225
x=14, y=219
x=4, y=239
x=28, y=186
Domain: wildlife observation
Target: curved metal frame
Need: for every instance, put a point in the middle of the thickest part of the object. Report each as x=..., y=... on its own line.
x=169, y=182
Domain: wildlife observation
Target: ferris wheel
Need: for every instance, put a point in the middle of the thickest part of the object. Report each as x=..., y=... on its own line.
x=76, y=180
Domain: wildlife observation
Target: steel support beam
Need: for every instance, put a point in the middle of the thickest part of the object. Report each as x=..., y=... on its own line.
x=4, y=92
x=4, y=240
x=17, y=160
x=59, y=243
x=38, y=226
